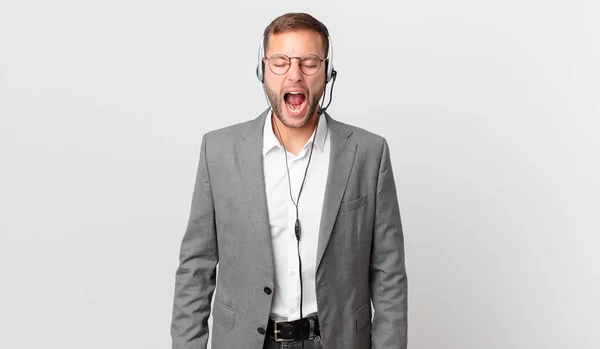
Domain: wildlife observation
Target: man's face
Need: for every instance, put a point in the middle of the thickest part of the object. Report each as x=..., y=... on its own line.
x=294, y=96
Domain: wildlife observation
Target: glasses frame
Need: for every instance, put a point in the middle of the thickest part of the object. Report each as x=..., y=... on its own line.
x=321, y=60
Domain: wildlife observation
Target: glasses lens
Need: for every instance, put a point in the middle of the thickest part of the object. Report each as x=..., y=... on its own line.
x=310, y=64
x=279, y=64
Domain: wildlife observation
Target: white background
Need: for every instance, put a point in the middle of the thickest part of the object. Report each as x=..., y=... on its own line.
x=491, y=110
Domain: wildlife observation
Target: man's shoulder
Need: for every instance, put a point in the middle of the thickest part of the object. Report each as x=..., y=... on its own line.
x=230, y=131
x=226, y=136
x=364, y=138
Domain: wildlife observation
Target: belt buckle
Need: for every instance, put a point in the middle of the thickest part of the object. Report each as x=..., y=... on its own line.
x=276, y=331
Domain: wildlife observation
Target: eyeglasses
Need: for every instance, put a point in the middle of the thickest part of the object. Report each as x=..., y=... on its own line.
x=280, y=63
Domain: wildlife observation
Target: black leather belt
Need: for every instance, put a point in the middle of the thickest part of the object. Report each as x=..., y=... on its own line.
x=288, y=331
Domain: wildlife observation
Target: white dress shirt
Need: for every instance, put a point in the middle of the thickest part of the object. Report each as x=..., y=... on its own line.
x=282, y=217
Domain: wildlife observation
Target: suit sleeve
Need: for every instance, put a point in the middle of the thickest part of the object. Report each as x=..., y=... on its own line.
x=195, y=277
x=387, y=270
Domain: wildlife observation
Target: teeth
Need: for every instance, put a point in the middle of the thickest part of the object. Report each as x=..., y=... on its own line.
x=295, y=93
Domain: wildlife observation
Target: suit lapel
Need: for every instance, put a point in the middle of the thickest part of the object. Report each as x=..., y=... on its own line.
x=250, y=164
x=340, y=164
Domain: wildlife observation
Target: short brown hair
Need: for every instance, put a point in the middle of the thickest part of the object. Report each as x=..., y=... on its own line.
x=295, y=21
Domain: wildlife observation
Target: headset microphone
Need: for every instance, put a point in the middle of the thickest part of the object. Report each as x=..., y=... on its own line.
x=323, y=110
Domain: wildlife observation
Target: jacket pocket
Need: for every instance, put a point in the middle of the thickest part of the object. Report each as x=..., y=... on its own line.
x=223, y=315
x=363, y=316
x=353, y=204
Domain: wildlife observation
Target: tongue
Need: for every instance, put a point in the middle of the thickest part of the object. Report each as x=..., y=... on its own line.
x=294, y=99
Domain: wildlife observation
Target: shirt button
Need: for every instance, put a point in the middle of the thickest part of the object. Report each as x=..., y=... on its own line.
x=292, y=273
x=292, y=310
x=268, y=290
x=261, y=330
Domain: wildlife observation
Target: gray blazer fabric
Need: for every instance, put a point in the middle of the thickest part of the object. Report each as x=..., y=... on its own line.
x=360, y=252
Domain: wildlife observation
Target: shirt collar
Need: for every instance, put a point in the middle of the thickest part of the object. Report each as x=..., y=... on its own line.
x=270, y=141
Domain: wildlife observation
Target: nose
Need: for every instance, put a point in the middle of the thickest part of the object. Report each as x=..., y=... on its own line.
x=294, y=73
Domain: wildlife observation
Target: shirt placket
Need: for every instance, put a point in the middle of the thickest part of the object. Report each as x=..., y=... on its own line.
x=292, y=244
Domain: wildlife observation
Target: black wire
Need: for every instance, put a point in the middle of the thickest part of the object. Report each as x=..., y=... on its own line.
x=296, y=204
x=297, y=223
x=305, y=171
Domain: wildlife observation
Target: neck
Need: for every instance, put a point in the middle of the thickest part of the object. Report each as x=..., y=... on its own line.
x=293, y=138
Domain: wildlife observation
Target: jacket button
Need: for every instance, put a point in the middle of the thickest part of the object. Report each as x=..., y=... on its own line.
x=261, y=330
x=268, y=290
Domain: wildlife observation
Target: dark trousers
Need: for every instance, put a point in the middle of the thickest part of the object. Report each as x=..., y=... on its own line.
x=308, y=344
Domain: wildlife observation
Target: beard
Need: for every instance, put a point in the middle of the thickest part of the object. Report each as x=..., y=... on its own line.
x=277, y=104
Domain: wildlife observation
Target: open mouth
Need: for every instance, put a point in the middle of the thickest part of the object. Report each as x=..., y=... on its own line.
x=295, y=102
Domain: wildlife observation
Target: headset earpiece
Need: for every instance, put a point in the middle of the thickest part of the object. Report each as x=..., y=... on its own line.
x=260, y=72
x=329, y=62
x=260, y=65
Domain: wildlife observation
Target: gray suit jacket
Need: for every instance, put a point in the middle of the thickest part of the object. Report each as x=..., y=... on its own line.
x=360, y=252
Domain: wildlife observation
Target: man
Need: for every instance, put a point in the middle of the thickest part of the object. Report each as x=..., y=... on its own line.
x=300, y=213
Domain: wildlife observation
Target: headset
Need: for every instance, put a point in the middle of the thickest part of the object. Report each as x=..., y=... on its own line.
x=260, y=66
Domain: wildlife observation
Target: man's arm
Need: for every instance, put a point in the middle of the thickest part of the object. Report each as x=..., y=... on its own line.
x=195, y=277
x=387, y=270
